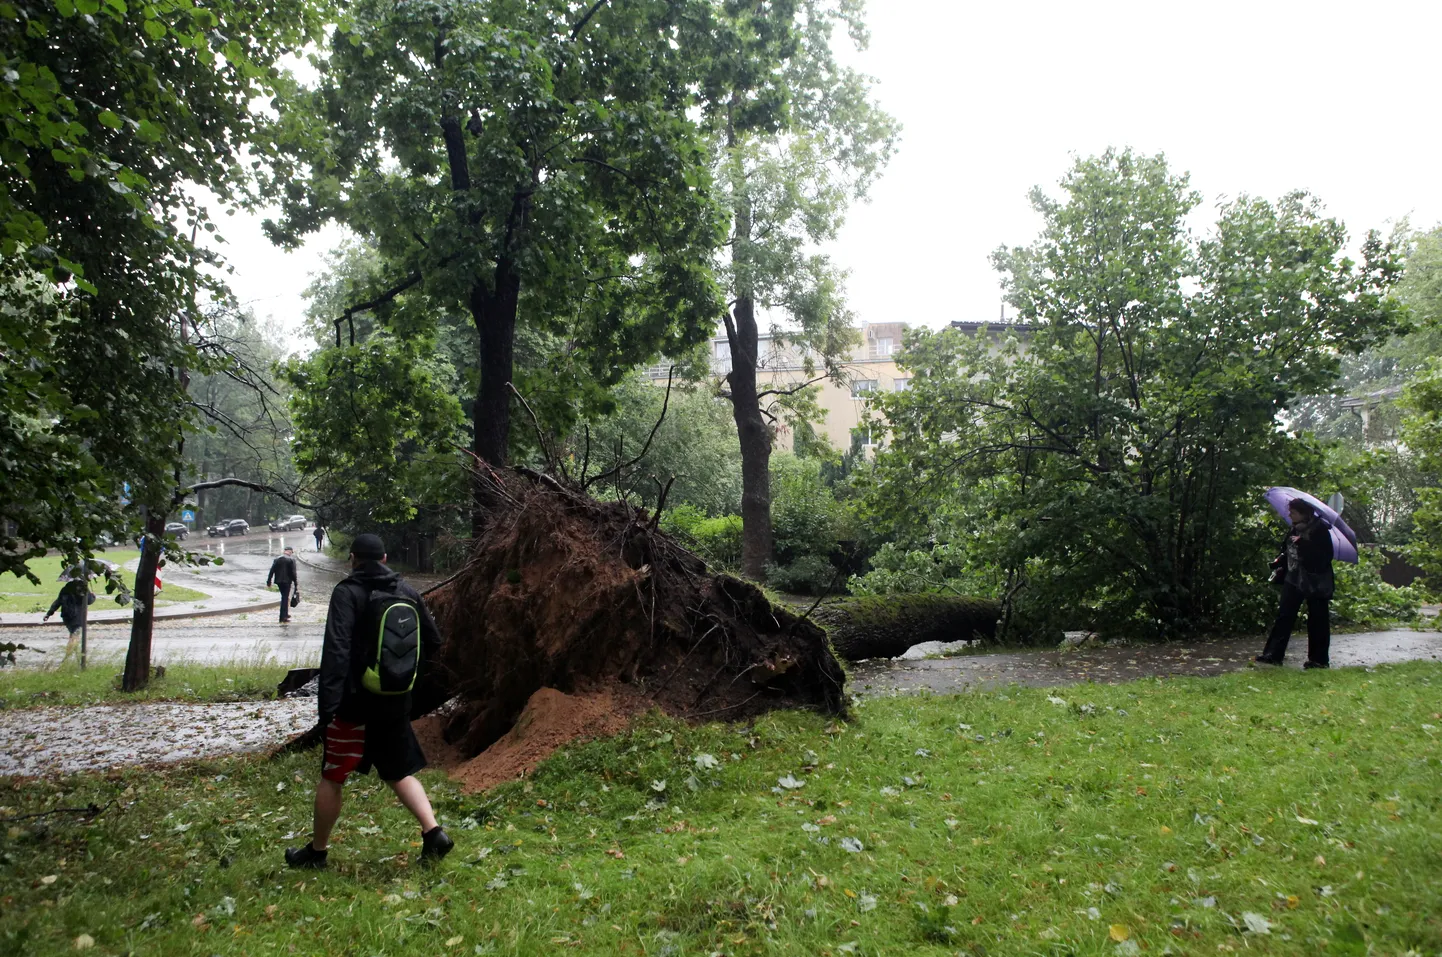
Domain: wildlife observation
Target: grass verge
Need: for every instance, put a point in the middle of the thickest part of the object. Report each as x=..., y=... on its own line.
x=22, y=595
x=1275, y=812
x=243, y=680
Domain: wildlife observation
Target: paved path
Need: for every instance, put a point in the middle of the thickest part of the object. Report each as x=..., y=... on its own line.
x=251, y=633
x=66, y=740
x=1111, y=665
x=57, y=740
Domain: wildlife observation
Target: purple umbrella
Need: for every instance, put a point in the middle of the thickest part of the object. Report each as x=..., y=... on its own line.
x=1344, y=540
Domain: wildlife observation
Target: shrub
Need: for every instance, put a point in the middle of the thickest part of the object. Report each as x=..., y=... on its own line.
x=805, y=516
x=716, y=540
x=1364, y=598
x=808, y=575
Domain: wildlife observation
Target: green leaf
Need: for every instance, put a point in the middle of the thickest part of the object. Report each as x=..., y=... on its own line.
x=110, y=119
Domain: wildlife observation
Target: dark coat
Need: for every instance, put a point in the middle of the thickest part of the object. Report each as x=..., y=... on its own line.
x=341, y=668
x=282, y=571
x=72, y=601
x=1309, y=559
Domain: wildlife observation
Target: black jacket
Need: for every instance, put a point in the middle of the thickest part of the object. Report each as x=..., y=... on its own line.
x=72, y=601
x=341, y=668
x=282, y=571
x=1308, y=549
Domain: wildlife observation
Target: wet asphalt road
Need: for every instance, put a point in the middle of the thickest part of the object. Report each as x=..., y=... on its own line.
x=244, y=637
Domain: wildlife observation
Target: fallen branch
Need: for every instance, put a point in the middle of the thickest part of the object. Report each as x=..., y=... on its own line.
x=90, y=811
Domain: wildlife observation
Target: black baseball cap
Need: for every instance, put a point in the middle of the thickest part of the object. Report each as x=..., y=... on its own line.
x=368, y=546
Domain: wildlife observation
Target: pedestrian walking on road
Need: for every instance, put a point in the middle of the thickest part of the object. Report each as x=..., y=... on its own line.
x=319, y=535
x=378, y=638
x=283, y=573
x=74, y=596
x=1305, y=568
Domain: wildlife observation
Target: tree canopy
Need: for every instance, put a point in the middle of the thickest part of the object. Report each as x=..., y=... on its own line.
x=113, y=113
x=522, y=163
x=1112, y=459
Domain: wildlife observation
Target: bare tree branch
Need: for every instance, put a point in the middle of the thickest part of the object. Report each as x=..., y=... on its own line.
x=581, y=23
x=665, y=403
x=785, y=392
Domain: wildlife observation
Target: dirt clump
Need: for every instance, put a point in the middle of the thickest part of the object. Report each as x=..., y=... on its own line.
x=584, y=602
x=550, y=720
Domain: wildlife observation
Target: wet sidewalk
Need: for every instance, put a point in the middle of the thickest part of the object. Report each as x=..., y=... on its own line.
x=1042, y=669
x=38, y=741
x=59, y=740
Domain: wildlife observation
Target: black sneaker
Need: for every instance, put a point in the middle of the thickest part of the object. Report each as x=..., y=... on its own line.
x=1314, y=664
x=305, y=857
x=435, y=844
x=1264, y=660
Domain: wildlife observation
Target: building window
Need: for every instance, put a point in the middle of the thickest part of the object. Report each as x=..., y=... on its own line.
x=900, y=384
x=721, y=364
x=863, y=388
x=883, y=346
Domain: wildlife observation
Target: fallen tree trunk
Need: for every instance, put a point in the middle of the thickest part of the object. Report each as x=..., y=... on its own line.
x=565, y=592
x=884, y=626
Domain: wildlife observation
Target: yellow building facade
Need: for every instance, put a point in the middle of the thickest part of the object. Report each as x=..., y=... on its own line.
x=870, y=370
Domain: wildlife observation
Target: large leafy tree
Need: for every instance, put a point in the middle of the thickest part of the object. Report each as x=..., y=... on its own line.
x=1377, y=466
x=1114, y=465
x=791, y=161
x=113, y=114
x=530, y=164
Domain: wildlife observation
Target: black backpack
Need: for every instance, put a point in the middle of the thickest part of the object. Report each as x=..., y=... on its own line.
x=390, y=636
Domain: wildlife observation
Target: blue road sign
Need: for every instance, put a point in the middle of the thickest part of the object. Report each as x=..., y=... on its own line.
x=188, y=515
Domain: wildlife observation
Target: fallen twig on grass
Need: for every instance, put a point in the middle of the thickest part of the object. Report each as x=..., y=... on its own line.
x=90, y=811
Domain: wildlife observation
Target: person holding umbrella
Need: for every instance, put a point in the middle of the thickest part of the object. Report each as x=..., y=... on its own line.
x=1305, y=568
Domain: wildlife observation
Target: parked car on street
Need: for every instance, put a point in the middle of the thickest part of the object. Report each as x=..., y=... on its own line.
x=229, y=527
x=288, y=524
x=178, y=529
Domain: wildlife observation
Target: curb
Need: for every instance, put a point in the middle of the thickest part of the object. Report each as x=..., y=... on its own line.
x=299, y=556
x=159, y=616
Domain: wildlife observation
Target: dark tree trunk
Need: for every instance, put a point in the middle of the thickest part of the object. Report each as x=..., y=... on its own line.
x=137, y=658
x=751, y=427
x=493, y=308
x=755, y=436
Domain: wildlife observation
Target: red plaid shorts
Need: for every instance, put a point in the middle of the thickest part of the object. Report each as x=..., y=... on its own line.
x=345, y=746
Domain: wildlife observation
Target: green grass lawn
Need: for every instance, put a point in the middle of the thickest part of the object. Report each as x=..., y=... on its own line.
x=44, y=687
x=19, y=594
x=1275, y=812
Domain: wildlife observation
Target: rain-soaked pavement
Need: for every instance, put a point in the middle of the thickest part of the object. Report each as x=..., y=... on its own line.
x=40, y=741
x=247, y=636
x=1109, y=665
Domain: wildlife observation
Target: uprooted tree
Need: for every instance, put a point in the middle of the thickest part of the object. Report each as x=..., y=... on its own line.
x=565, y=592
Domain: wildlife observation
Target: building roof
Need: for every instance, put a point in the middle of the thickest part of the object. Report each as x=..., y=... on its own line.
x=974, y=327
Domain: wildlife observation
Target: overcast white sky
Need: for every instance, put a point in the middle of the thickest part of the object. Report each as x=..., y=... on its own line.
x=1258, y=97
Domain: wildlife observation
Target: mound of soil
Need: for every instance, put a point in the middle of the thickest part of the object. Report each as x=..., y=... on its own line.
x=590, y=599
x=549, y=720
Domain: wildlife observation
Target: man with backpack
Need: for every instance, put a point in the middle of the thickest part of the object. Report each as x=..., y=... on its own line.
x=378, y=636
